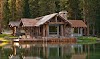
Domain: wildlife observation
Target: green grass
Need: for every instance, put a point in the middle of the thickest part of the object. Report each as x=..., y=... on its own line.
x=7, y=36
x=86, y=40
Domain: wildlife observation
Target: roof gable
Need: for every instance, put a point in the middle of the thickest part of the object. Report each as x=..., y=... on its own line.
x=48, y=17
x=44, y=19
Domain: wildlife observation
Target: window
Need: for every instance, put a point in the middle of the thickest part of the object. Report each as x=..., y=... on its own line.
x=53, y=29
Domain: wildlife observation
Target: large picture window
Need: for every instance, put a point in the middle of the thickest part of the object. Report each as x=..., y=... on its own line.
x=52, y=29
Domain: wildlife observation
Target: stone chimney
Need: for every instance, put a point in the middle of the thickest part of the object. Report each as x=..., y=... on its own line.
x=63, y=14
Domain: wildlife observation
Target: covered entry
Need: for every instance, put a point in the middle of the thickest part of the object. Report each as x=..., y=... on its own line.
x=78, y=27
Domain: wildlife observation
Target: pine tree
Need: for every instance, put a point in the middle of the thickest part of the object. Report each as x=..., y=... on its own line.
x=19, y=9
x=63, y=5
x=89, y=8
x=12, y=5
x=74, y=10
x=34, y=8
x=26, y=9
x=6, y=13
x=46, y=7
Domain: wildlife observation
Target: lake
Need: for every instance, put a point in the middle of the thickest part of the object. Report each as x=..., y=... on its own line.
x=48, y=51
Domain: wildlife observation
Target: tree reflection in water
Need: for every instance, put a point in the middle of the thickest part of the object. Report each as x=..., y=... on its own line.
x=49, y=51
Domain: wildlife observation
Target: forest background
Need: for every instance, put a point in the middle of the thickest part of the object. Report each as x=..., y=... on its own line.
x=86, y=10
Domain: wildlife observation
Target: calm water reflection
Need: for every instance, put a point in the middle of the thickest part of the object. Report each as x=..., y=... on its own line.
x=42, y=51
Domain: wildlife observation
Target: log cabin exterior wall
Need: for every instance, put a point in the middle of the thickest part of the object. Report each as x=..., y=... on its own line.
x=43, y=30
x=41, y=27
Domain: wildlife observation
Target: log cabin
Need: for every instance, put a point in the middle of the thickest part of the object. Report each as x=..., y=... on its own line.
x=54, y=25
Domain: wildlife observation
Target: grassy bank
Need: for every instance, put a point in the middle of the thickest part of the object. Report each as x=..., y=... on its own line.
x=87, y=40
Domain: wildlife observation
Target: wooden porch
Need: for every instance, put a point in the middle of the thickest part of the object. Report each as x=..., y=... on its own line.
x=46, y=40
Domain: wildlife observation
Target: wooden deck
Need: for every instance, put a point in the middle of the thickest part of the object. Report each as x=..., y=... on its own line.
x=48, y=41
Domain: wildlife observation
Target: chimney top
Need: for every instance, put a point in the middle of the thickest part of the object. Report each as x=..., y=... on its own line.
x=63, y=14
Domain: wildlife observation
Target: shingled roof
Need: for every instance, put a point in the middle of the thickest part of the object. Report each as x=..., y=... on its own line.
x=45, y=18
x=14, y=23
x=28, y=22
x=77, y=23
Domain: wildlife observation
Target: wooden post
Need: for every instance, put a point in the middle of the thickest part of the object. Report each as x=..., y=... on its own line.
x=64, y=29
x=14, y=33
x=25, y=32
x=43, y=30
x=78, y=31
x=62, y=32
x=58, y=30
x=39, y=31
x=72, y=31
x=56, y=18
x=85, y=31
x=47, y=30
x=81, y=31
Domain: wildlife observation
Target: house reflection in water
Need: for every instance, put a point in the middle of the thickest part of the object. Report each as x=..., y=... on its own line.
x=46, y=51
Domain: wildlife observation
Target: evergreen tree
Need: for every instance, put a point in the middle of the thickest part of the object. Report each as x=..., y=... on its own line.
x=89, y=8
x=57, y=6
x=34, y=8
x=12, y=5
x=46, y=7
x=6, y=13
x=74, y=10
x=19, y=9
x=63, y=5
x=26, y=9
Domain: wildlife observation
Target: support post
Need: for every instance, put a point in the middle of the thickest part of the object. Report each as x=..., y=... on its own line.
x=39, y=31
x=14, y=31
x=72, y=32
x=47, y=30
x=62, y=32
x=64, y=29
x=43, y=30
x=81, y=31
x=58, y=30
x=78, y=31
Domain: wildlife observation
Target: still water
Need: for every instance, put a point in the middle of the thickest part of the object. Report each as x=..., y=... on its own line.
x=45, y=51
